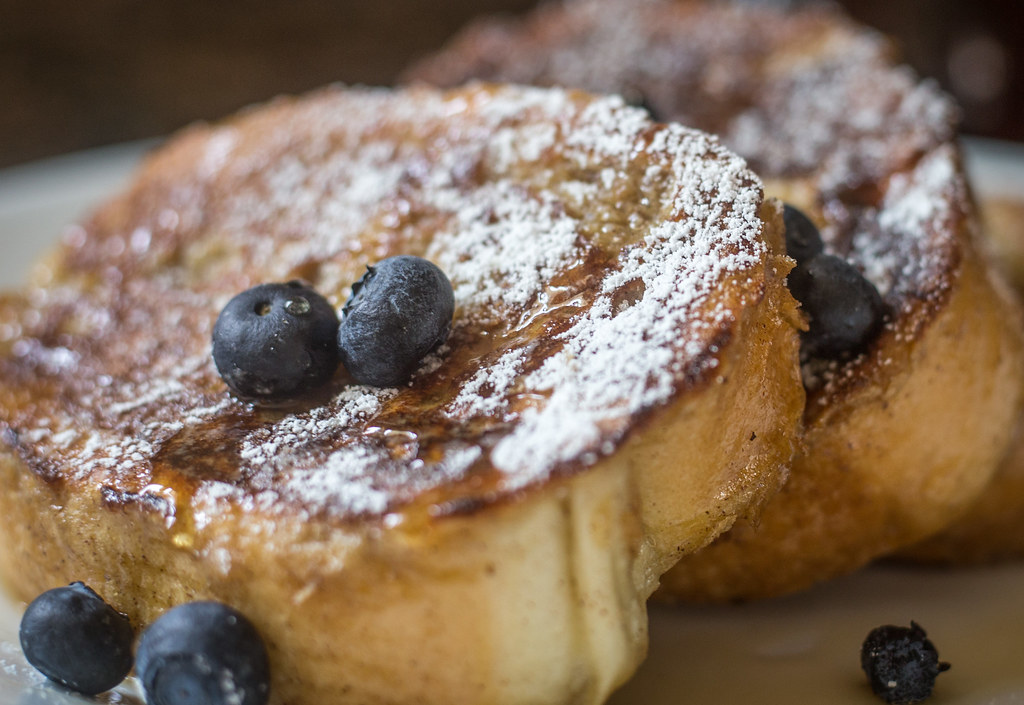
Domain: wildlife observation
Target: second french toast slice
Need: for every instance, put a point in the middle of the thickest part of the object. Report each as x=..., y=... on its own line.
x=904, y=431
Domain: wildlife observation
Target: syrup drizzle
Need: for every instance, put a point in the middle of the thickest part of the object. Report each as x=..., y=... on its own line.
x=595, y=258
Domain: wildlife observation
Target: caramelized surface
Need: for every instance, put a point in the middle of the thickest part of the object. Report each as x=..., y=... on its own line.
x=813, y=101
x=990, y=529
x=489, y=533
x=902, y=438
x=598, y=262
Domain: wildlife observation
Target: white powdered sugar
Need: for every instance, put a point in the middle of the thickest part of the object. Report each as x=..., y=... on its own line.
x=589, y=250
x=910, y=205
x=486, y=392
x=216, y=152
x=503, y=244
x=275, y=445
x=904, y=245
x=813, y=100
x=791, y=90
x=342, y=482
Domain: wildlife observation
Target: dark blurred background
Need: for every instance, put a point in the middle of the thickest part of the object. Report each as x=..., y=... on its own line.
x=77, y=75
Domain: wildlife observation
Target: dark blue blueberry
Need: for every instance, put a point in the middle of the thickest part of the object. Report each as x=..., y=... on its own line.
x=276, y=341
x=901, y=663
x=844, y=309
x=803, y=241
x=203, y=653
x=638, y=99
x=76, y=639
x=399, y=311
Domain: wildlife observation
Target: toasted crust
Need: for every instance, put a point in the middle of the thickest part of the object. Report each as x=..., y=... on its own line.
x=490, y=532
x=820, y=109
x=862, y=489
x=990, y=530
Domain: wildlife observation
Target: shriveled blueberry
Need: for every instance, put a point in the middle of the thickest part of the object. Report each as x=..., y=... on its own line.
x=203, y=653
x=399, y=311
x=901, y=663
x=76, y=639
x=844, y=308
x=276, y=341
x=803, y=241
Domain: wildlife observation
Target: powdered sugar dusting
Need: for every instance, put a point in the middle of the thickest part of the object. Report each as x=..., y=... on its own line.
x=486, y=392
x=896, y=247
x=216, y=152
x=595, y=258
x=792, y=90
x=813, y=100
x=504, y=244
x=275, y=446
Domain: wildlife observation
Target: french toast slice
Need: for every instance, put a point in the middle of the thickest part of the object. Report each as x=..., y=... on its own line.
x=488, y=533
x=902, y=437
x=991, y=529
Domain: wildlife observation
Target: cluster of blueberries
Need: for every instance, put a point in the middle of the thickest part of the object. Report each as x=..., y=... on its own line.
x=197, y=652
x=275, y=342
x=845, y=312
x=207, y=652
x=844, y=308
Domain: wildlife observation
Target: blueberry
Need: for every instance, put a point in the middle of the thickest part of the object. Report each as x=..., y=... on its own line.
x=76, y=639
x=901, y=663
x=276, y=341
x=638, y=99
x=844, y=308
x=803, y=241
x=203, y=653
x=399, y=311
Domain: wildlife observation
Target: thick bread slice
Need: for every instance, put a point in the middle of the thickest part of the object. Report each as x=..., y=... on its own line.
x=900, y=446
x=901, y=439
x=993, y=528
x=620, y=384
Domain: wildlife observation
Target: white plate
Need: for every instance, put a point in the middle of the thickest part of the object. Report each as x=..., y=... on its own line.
x=799, y=650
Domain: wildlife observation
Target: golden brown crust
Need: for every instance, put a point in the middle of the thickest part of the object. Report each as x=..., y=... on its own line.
x=489, y=533
x=1002, y=221
x=861, y=490
x=158, y=263
x=818, y=107
x=990, y=530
